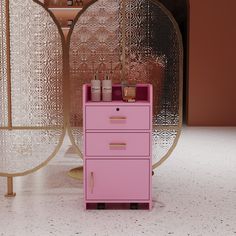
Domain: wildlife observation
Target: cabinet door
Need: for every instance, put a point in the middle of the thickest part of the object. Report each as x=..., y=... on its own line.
x=117, y=180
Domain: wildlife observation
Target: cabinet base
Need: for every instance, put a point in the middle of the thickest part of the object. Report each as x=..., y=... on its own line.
x=134, y=206
x=101, y=206
x=119, y=206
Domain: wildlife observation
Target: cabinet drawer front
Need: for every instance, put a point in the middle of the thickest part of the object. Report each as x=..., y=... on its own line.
x=117, y=117
x=117, y=180
x=117, y=144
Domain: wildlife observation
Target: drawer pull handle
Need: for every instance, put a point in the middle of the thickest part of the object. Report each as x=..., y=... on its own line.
x=117, y=118
x=117, y=144
x=91, y=182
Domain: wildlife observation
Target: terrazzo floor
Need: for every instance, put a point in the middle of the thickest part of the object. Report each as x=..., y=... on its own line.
x=194, y=193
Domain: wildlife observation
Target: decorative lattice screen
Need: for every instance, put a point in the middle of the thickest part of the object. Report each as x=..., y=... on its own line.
x=33, y=93
x=134, y=40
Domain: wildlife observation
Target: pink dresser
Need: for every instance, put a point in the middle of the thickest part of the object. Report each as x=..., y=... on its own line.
x=118, y=150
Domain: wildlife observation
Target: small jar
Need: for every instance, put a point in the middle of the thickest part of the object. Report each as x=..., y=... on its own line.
x=95, y=89
x=107, y=89
x=128, y=92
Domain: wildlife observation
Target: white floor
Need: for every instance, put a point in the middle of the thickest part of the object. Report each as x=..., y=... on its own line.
x=194, y=194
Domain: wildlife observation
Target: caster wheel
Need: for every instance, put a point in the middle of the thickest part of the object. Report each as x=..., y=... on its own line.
x=134, y=206
x=101, y=206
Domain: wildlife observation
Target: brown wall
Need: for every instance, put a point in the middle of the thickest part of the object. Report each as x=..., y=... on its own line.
x=212, y=63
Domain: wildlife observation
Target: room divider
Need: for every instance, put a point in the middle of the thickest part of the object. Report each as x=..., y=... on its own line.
x=43, y=71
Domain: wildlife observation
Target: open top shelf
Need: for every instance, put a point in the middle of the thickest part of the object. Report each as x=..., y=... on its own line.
x=142, y=95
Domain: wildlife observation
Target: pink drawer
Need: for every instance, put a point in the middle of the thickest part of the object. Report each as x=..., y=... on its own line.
x=117, y=180
x=117, y=144
x=117, y=117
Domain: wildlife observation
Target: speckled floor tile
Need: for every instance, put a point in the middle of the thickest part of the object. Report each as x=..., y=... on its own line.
x=194, y=195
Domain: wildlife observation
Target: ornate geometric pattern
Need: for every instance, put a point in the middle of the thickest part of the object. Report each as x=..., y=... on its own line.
x=163, y=141
x=36, y=66
x=23, y=150
x=94, y=46
x=36, y=89
x=153, y=54
x=3, y=67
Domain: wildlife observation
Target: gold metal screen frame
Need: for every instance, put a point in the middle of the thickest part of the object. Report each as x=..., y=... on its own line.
x=180, y=107
x=10, y=127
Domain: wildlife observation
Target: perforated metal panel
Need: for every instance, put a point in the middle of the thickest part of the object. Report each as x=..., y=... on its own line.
x=94, y=46
x=153, y=54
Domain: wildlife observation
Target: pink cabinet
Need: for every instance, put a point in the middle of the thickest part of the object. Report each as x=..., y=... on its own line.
x=118, y=149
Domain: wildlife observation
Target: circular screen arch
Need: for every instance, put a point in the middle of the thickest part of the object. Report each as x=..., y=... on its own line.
x=135, y=40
